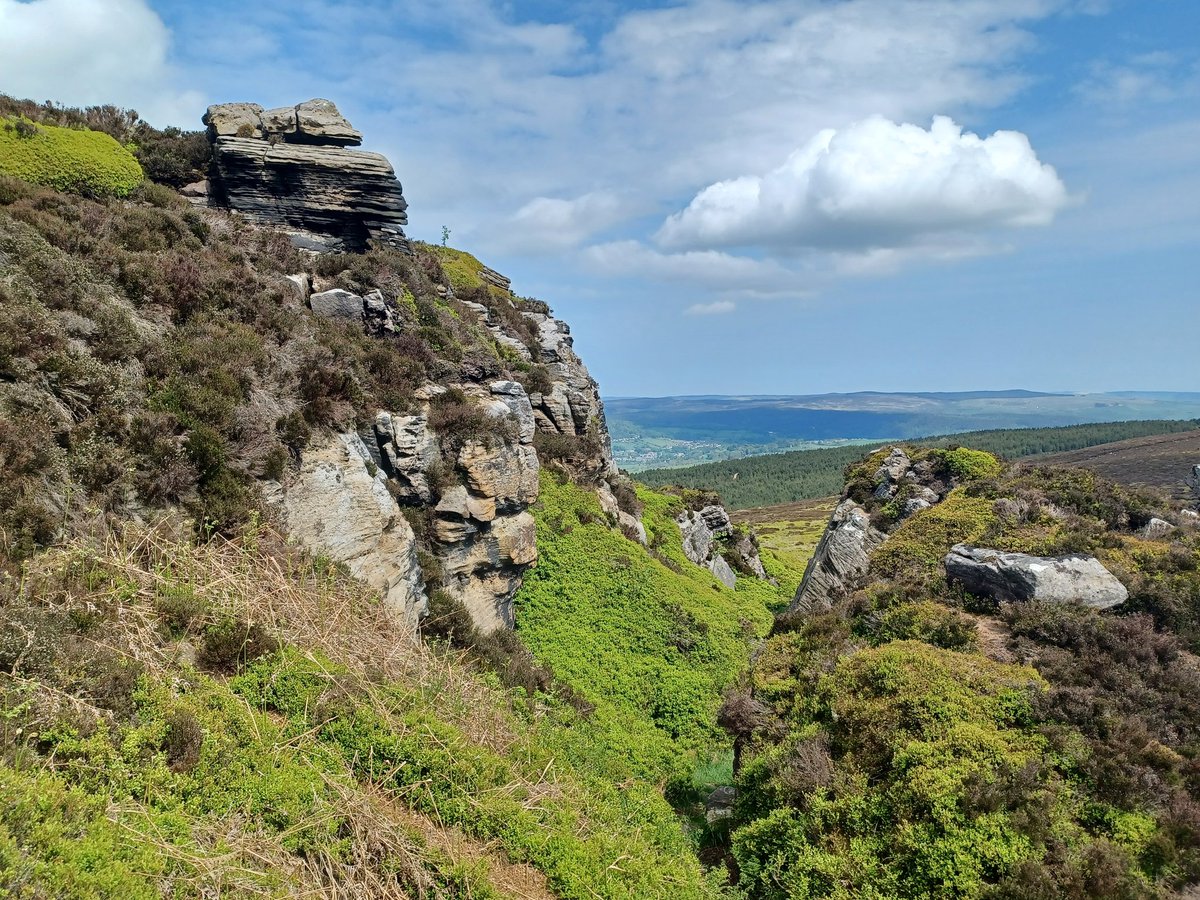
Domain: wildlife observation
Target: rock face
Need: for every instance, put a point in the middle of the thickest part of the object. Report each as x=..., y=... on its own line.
x=840, y=561
x=481, y=532
x=338, y=504
x=290, y=168
x=701, y=531
x=1019, y=577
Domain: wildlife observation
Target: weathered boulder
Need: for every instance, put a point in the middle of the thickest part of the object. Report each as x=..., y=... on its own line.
x=234, y=120
x=516, y=402
x=319, y=122
x=723, y=571
x=840, y=561
x=337, y=506
x=506, y=473
x=717, y=519
x=1156, y=528
x=289, y=168
x=697, y=537
x=720, y=804
x=337, y=304
x=747, y=552
x=1020, y=577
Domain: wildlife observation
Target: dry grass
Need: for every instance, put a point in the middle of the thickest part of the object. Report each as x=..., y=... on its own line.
x=312, y=605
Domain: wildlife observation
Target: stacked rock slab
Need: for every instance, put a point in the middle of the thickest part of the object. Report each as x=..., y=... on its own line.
x=290, y=168
x=841, y=559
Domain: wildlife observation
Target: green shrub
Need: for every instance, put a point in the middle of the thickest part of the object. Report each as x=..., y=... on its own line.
x=85, y=162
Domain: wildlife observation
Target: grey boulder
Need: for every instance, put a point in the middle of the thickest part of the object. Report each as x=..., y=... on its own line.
x=1021, y=577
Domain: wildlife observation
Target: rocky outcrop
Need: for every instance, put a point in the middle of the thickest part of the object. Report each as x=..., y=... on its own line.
x=290, y=168
x=570, y=406
x=481, y=531
x=338, y=504
x=840, y=561
x=371, y=311
x=709, y=537
x=1020, y=577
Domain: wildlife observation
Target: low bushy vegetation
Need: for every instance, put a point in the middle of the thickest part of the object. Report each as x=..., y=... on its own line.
x=339, y=758
x=68, y=159
x=916, y=741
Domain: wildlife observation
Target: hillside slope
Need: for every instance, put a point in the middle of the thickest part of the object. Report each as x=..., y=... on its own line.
x=911, y=734
x=233, y=475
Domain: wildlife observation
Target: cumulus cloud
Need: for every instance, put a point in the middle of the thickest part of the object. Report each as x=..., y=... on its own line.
x=875, y=184
x=84, y=52
x=553, y=224
x=716, y=308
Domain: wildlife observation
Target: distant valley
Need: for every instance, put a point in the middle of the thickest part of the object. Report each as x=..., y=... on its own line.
x=658, y=432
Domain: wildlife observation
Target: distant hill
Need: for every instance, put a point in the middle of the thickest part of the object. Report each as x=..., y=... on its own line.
x=1161, y=460
x=807, y=474
x=653, y=432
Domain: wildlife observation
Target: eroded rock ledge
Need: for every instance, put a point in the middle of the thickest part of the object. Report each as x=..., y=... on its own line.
x=290, y=168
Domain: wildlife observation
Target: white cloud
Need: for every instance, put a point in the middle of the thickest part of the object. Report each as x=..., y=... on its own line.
x=716, y=308
x=876, y=184
x=552, y=224
x=709, y=269
x=84, y=52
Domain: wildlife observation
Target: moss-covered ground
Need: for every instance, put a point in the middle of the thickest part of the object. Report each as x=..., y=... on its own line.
x=67, y=159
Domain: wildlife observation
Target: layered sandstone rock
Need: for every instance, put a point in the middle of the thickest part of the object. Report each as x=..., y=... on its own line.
x=290, y=168
x=338, y=504
x=841, y=560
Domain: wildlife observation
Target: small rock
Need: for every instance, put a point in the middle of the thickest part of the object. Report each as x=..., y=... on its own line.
x=337, y=304
x=719, y=804
x=1156, y=528
x=723, y=571
x=915, y=505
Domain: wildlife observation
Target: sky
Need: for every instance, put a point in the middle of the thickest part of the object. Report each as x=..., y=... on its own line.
x=728, y=197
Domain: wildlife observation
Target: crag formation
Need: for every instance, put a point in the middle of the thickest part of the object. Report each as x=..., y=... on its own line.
x=291, y=167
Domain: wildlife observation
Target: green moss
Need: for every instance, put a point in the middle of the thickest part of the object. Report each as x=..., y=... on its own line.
x=460, y=267
x=968, y=464
x=920, y=543
x=68, y=159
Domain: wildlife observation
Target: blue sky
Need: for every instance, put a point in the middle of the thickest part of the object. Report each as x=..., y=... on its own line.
x=733, y=197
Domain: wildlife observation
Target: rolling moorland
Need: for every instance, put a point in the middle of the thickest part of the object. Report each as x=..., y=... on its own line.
x=661, y=432
x=501, y=668
x=809, y=474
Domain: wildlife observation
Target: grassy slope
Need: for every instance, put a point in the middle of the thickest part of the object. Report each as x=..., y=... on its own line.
x=649, y=638
x=131, y=769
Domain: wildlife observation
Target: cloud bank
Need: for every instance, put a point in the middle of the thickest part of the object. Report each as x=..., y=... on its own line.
x=89, y=52
x=875, y=184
